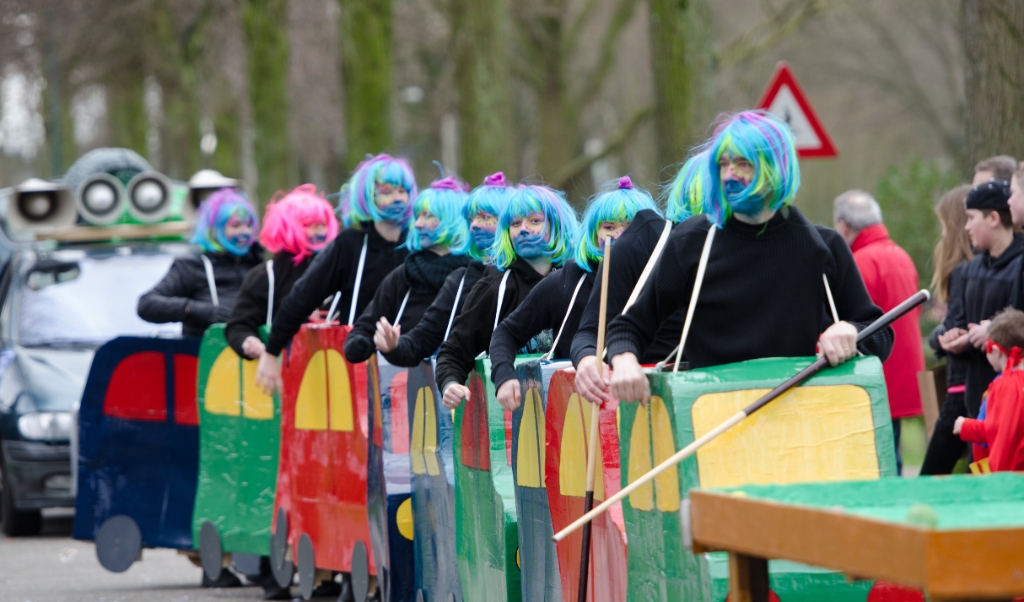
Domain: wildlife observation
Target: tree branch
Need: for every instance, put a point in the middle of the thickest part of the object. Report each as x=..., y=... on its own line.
x=583, y=162
x=577, y=25
x=623, y=15
x=785, y=22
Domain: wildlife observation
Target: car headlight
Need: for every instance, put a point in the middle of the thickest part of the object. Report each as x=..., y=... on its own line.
x=45, y=426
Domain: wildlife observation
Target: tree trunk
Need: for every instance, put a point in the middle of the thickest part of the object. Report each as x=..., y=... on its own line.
x=126, y=110
x=482, y=80
x=992, y=34
x=366, y=70
x=265, y=23
x=558, y=137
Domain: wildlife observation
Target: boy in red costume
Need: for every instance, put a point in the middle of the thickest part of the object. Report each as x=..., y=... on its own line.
x=1002, y=428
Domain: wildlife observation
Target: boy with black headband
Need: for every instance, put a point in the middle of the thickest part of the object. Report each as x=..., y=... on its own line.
x=988, y=283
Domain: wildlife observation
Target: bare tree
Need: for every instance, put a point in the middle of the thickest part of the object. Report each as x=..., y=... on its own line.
x=366, y=69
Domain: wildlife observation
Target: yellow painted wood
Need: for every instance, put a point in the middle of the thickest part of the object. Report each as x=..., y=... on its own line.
x=339, y=393
x=666, y=485
x=530, y=465
x=311, y=404
x=640, y=460
x=222, y=395
x=255, y=403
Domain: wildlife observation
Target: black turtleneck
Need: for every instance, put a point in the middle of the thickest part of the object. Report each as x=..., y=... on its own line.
x=421, y=276
x=471, y=333
x=250, y=311
x=762, y=294
x=333, y=270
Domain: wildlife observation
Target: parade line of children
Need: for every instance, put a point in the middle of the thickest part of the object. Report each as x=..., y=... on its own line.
x=511, y=269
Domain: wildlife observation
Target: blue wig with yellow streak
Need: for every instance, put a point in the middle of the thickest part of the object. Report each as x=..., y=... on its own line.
x=490, y=197
x=562, y=223
x=618, y=203
x=767, y=143
x=357, y=204
x=445, y=199
x=214, y=214
x=684, y=196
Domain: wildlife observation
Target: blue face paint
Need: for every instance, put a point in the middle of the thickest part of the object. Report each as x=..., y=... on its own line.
x=395, y=212
x=238, y=244
x=749, y=204
x=530, y=246
x=317, y=242
x=483, y=238
x=428, y=237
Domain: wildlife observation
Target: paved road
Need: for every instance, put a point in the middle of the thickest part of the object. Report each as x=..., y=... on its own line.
x=55, y=568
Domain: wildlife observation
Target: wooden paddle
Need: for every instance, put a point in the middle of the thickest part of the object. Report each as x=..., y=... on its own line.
x=891, y=316
x=595, y=419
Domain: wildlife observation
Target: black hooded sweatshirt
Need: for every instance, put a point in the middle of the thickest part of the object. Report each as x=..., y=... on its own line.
x=762, y=295
x=184, y=293
x=333, y=270
x=987, y=286
x=544, y=308
x=421, y=277
x=422, y=341
x=250, y=311
x=471, y=333
x=630, y=254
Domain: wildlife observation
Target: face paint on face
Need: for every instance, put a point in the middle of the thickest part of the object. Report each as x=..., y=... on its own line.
x=238, y=234
x=530, y=236
x=483, y=229
x=392, y=202
x=613, y=229
x=426, y=224
x=736, y=174
x=316, y=236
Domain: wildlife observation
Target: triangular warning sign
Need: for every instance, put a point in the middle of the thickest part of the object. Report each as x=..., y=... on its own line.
x=785, y=99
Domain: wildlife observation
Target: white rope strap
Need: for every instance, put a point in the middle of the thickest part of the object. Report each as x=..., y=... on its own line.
x=359, y=282
x=334, y=306
x=270, y=291
x=210, y=282
x=401, y=310
x=831, y=301
x=455, y=307
x=572, y=302
x=701, y=269
x=501, y=298
x=649, y=268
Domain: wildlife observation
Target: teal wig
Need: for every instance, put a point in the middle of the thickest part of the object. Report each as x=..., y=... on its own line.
x=445, y=200
x=618, y=203
x=684, y=196
x=357, y=203
x=214, y=214
x=563, y=224
x=490, y=197
x=767, y=143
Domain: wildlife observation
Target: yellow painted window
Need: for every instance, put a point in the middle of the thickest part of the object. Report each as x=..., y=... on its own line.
x=530, y=447
x=424, y=434
x=651, y=442
x=255, y=403
x=572, y=474
x=222, y=394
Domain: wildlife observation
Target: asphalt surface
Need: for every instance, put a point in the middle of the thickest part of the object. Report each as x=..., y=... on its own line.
x=53, y=567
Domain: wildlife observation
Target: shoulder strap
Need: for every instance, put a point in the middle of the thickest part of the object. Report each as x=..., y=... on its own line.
x=698, y=281
x=210, y=282
x=831, y=301
x=270, y=291
x=401, y=310
x=333, y=307
x=501, y=298
x=572, y=302
x=455, y=307
x=359, y=282
x=653, y=261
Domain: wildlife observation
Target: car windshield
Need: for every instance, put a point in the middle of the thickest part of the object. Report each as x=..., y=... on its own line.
x=90, y=300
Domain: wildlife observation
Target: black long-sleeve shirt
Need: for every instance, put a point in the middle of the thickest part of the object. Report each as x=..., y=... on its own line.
x=423, y=340
x=250, y=311
x=630, y=255
x=544, y=308
x=184, y=293
x=762, y=294
x=956, y=368
x=421, y=276
x=471, y=333
x=333, y=270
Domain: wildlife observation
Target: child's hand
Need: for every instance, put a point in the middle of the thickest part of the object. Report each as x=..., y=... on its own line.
x=959, y=424
x=386, y=337
x=955, y=340
x=978, y=333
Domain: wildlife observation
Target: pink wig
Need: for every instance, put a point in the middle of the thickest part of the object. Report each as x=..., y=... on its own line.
x=286, y=220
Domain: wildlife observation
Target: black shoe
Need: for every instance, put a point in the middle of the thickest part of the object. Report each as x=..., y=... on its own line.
x=276, y=592
x=225, y=579
x=327, y=589
x=346, y=590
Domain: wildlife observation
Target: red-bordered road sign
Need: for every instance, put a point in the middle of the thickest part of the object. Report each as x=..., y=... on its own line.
x=785, y=99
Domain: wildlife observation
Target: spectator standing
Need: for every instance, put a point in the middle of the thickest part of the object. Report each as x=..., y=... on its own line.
x=890, y=277
x=999, y=167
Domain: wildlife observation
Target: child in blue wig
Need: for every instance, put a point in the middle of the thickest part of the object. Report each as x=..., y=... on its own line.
x=376, y=206
x=556, y=304
x=482, y=209
x=200, y=290
x=770, y=272
x=437, y=242
x=537, y=231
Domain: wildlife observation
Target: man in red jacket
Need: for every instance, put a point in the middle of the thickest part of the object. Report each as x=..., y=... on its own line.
x=890, y=277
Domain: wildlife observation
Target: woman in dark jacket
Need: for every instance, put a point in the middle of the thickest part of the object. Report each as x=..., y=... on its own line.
x=485, y=204
x=295, y=229
x=537, y=231
x=557, y=302
x=201, y=290
x=437, y=243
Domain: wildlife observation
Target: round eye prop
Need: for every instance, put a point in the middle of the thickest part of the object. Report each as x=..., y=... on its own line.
x=37, y=204
x=149, y=197
x=100, y=199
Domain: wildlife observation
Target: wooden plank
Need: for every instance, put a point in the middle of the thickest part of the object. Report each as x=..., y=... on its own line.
x=748, y=578
x=929, y=400
x=982, y=564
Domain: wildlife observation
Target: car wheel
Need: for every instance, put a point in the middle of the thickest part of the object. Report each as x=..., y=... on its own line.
x=282, y=568
x=360, y=572
x=210, y=550
x=307, y=567
x=118, y=543
x=16, y=523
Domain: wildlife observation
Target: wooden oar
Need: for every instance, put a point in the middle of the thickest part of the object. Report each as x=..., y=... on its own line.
x=595, y=419
x=891, y=316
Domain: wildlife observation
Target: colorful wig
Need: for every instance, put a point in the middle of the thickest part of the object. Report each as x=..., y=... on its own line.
x=563, y=224
x=490, y=197
x=286, y=220
x=359, y=194
x=685, y=195
x=767, y=143
x=214, y=214
x=445, y=199
x=618, y=202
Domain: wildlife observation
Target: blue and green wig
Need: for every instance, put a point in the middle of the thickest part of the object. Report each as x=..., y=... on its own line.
x=767, y=143
x=490, y=197
x=214, y=214
x=618, y=203
x=563, y=224
x=357, y=203
x=684, y=196
x=445, y=199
